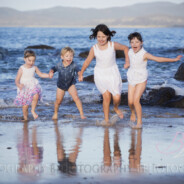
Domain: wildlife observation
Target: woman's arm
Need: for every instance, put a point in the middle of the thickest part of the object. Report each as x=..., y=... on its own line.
x=40, y=74
x=161, y=59
x=86, y=63
x=118, y=46
x=17, y=79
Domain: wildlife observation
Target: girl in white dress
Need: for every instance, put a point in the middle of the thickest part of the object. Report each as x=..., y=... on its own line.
x=28, y=89
x=137, y=75
x=106, y=73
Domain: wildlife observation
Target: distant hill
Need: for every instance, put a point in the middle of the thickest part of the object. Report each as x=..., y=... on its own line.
x=162, y=14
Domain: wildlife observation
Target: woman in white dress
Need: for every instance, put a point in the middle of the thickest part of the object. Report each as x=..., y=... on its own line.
x=106, y=73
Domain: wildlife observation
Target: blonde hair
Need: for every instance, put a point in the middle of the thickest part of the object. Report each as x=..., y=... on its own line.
x=67, y=49
x=28, y=53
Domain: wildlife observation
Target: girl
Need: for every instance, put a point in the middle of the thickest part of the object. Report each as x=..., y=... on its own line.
x=106, y=73
x=137, y=75
x=28, y=89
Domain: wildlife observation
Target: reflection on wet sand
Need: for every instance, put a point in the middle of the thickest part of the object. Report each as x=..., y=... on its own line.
x=114, y=166
x=67, y=163
x=29, y=153
x=135, y=152
x=109, y=167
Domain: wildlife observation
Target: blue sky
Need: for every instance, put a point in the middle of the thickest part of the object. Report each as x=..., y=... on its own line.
x=42, y=4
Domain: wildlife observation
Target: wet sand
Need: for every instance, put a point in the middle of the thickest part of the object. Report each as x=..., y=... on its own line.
x=78, y=151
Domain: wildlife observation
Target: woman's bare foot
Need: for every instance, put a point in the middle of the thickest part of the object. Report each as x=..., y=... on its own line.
x=35, y=116
x=119, y=113
x=55, y=116
x=133, y=117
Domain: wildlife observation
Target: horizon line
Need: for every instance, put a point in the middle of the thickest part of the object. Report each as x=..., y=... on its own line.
x=91, y=7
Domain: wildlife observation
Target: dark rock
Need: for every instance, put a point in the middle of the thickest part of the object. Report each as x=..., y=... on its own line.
x=3, y=53
x=180, y=73
x=89, y=78
x=40, y=47
x=156, y=97
x=176, y=102
x=159, y=96
x=84, y=54
x=119, y=54
x=124, y=99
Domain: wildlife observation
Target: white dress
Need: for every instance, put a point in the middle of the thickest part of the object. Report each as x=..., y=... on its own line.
x=31, y=87
x=106, y=73
x=137, y=73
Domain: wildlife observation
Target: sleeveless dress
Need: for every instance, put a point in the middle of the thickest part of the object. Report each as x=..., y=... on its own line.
x=137, y=73
x=106, y=73
x=31, y=87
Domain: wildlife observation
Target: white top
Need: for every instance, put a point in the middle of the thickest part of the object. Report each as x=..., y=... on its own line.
x=106, y=73
x=137, y=73
x=28, y=77
x=105, y=58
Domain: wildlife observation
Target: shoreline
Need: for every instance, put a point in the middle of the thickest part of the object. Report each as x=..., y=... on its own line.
x=80, y=26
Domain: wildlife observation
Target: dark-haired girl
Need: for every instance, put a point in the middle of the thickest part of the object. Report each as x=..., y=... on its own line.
x=106, y=73
x=137, y=75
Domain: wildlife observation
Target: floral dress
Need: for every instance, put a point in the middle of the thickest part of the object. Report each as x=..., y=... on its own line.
x=31, y=87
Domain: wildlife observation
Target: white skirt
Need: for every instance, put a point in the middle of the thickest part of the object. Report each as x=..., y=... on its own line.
x=108, y=79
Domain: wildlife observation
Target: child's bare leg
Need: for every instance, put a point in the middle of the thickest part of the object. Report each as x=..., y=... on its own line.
x=25, y=112
x=137, y=96
x=73, y=92
x=59, y=97
x=106, y=104
x=116, y=102
x=33, y=106
x=131, y=91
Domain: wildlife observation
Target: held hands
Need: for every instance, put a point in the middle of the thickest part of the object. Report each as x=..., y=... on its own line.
x=127, y=63
x=21, y=86
x=80, y=76
x=51, y=74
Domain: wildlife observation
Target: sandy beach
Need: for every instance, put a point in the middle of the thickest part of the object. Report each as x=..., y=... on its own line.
x=71, y=150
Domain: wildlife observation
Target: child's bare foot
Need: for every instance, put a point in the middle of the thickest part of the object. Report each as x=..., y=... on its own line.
x=24, y=119
x=83, y=117
x=35, y=116
x=119, y=113
x=103, y=123
x=138, y=126
x=55, y=116
x=135, y=126
x=133, y=117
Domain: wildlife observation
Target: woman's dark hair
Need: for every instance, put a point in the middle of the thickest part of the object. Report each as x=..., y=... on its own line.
x=135, y=35
x=104, y=29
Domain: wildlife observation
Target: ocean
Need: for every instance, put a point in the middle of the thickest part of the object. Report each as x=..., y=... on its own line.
x=83, y=136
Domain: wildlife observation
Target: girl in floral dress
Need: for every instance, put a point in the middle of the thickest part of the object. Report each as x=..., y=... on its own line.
x=28, y=89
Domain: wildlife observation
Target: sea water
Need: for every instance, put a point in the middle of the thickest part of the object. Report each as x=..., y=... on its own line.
x=44, y=149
